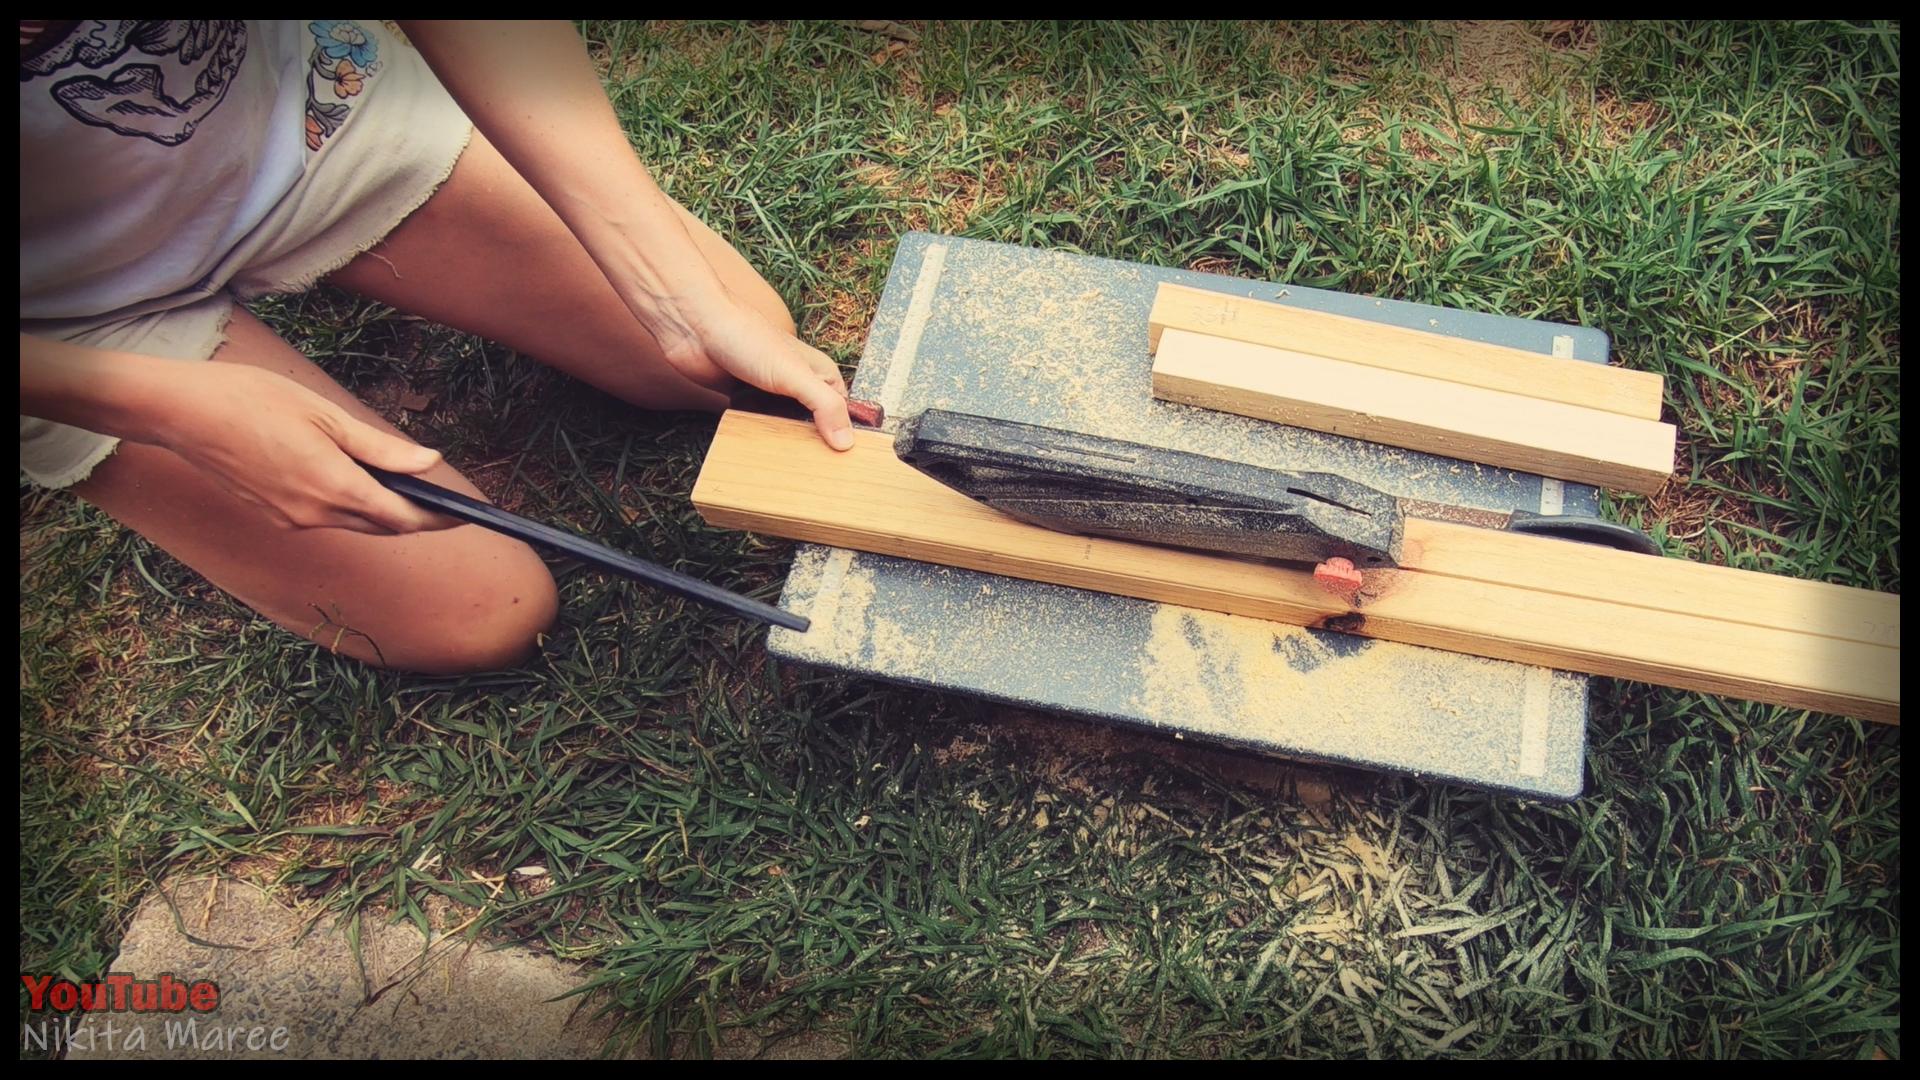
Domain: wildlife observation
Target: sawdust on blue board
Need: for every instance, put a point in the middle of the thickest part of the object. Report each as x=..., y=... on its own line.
x=1226, y=676
x=1054, y=339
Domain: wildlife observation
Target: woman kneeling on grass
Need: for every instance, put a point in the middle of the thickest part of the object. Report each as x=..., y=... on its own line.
x=170, y=170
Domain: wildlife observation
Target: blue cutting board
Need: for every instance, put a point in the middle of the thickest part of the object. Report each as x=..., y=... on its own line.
x=1048, y=337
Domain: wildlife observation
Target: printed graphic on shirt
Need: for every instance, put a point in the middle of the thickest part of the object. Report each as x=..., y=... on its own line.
x=177, y=73
x=344, y=57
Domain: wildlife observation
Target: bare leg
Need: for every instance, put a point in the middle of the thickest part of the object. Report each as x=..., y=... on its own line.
x=487, y=255
x=462, y=599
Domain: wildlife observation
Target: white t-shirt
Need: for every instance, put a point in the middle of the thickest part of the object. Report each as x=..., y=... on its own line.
x=148, y=149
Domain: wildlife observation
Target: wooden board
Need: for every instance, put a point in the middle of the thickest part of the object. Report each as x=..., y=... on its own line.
x=1392, y=348
x=1472, y=423
x=1501, y=595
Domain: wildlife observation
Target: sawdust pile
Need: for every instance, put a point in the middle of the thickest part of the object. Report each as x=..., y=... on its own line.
x=847, y=626
x=844, y=612
x=1203, y=663
x=1249, y=679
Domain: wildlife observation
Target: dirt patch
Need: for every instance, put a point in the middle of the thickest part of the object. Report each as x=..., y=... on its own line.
x=1491, y=53
x=1618, y=122
x=944, y=200
x=1216, y=264
x=887, y=179
x=1688, y=508
x=1571, y=35
x=841, y=327
x=1089, y=759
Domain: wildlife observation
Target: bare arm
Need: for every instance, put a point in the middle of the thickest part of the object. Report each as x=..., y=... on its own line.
x=264, y=437
x=113, y=393
x=531, y=88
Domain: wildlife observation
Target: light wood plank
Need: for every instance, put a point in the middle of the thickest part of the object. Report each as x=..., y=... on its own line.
x=774, y=476
x=1472, y=423
x=1393, y=348
x=1678, y=585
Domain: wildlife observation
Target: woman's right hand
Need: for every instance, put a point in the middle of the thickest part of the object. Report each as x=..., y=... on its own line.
x=291, y=452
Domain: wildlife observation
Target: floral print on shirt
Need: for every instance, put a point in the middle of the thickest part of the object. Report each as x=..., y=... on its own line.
x=344, y=57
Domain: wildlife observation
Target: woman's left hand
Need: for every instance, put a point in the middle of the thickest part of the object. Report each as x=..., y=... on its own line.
x=719, y=340
x=573, y=151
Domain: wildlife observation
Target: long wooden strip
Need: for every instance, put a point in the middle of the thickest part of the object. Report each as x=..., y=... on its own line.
x=1439, y=356
x=774, y=476
x=1620, y=577
x=1511, y=431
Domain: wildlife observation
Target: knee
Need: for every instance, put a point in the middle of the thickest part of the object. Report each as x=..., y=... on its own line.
x=495, y=623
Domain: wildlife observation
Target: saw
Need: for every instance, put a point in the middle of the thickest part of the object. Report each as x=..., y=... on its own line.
x=1090, y=485
x=1086, y=484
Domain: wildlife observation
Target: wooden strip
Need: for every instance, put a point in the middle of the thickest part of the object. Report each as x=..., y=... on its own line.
x=1414, y=352
x=1472, y=423
x=1678, y=585
x=774, y=476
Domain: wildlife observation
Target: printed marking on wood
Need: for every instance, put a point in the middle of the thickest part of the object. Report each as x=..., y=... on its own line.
x=1553, y=495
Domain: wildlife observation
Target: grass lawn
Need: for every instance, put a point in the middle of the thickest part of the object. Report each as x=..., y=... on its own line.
x=906, y=873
